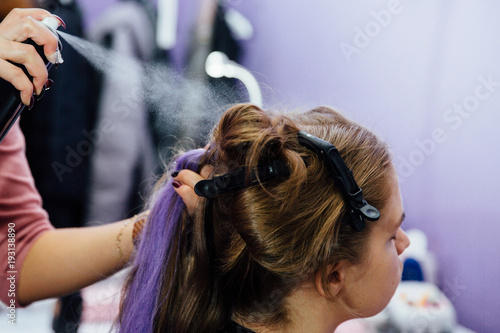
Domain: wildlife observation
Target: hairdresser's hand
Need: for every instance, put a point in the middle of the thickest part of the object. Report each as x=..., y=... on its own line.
x=184, y=184
x=18, y=26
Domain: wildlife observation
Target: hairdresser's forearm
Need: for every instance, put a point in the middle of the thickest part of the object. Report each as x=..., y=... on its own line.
x=65, y=260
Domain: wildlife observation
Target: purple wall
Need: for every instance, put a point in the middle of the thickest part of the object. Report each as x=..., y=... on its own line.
x=418, y=75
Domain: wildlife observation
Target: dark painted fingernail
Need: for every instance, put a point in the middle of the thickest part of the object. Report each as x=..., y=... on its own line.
x=174, y=174
x=39, y=97
x=60, y=21
x=48, y=84
x=176, y=184
x=32, y=103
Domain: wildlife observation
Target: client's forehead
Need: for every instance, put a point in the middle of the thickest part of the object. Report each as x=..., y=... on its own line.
x=392, y=215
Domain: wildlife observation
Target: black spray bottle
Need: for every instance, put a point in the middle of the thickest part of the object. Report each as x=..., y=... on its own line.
x=11, y=105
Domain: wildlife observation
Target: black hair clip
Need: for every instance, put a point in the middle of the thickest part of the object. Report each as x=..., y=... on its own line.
x=210, y=188
x=343, y=177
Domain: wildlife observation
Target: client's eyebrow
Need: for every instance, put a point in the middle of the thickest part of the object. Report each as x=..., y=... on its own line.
x=403, y=216
x=394, y=227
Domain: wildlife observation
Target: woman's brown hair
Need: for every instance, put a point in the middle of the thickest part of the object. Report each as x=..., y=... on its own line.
x=246, y=250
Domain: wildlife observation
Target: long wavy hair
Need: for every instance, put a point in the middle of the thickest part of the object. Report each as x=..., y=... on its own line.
x=243, y=252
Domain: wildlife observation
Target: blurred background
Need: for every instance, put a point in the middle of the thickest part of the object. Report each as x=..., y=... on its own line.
x=424, y=75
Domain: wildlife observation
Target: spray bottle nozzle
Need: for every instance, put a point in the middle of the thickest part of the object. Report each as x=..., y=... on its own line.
x=51, y=23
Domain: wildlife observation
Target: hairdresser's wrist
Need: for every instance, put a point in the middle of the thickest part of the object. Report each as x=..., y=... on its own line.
x=129, y=234
x=124, y=244
x=139, y=221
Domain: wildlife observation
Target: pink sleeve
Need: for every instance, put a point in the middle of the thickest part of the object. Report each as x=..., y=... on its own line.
x=22, y=218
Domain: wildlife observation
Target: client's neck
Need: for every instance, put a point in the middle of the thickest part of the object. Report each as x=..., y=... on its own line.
x=309, y=312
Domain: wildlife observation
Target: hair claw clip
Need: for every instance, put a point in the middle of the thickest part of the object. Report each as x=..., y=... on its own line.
x=343, y=177
x=210, y=188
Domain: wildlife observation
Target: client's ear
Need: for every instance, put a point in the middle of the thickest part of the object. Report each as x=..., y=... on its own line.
x=335, y=279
